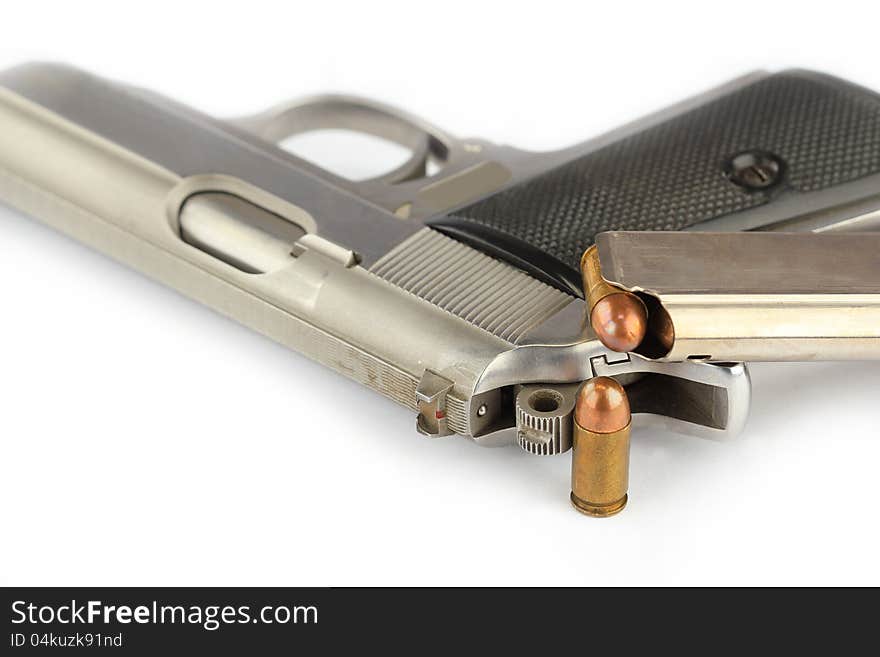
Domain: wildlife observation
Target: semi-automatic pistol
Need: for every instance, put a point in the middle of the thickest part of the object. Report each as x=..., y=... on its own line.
x=545, y=300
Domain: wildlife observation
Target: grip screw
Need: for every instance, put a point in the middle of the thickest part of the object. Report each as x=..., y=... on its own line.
x=754, y=169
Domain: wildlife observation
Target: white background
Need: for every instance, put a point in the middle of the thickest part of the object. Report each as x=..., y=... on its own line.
x=146, y=440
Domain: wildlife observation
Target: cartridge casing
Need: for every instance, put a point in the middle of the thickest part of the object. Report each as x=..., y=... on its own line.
x=600, y=449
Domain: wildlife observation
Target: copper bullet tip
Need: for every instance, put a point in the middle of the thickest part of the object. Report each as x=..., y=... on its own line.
x=620, y=321
x=602, y=406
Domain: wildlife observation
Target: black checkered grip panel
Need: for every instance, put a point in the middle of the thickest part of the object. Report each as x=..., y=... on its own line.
x=672, y=176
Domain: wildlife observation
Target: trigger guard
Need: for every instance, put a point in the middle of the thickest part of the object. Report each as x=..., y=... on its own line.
x=338, y=112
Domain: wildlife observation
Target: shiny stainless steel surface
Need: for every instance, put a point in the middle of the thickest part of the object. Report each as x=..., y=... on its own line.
x=321, y=303
x=188, y=144
x=486, y=292
x=240, y=233
x=470, y=168
x=179, y=210
x=717, y=395
x=320, y=263
x=197, y=204
x=756, y=296
x=697, y=399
